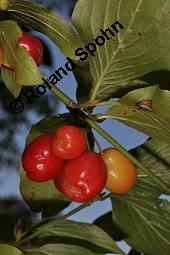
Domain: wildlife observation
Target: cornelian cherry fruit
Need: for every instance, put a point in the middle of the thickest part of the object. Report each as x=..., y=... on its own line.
x=82, y=178
x=38, y=160
x=68, y=142
x=121, y=172
x=33, y=46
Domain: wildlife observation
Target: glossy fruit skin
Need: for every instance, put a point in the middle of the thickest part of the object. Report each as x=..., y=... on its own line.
x=121, y=172
x=82, y=178
x=68, y=142
x=33, y=46
x=39, y=162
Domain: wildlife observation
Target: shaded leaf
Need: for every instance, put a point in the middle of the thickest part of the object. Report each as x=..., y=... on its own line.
x=73, y=241
x=84, y=79
x=68, y=228
x=9, y=250
x=133, y=252
x=58, y=249
x=42, y=196
x=144, y=221
x=6, y=229
x=36, y=17
x=106, y=223
x=9, y=79
x=147, y=110
x=155, y=155
x=133, y=50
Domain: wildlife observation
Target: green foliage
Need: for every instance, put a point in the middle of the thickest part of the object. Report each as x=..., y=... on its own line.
x=42, y=196
x=27, y=73
x=6, y=229
x=155, y=155
x=132, y=52
x=58, y=249
x=145, y=227
x=68, y=228
x=152, y=119
x=139, y=217
x=36, y=17
x=146, y=224
x=83, y=77
x=9, y=250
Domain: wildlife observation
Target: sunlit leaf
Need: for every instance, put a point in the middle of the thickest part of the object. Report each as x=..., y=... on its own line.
x=147, y=110
x=141, y=46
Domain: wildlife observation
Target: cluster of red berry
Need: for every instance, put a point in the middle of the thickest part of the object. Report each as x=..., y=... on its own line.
x=78, y=173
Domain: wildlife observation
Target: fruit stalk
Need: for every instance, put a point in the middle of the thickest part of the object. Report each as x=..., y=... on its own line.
x=74, y=109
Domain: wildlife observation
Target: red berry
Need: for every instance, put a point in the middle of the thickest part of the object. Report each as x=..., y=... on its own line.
x=39, y=162
x=33, y=46
x=68, y=142
x=82, y=178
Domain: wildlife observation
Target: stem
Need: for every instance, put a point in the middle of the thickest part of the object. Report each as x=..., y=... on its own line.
x=57, y=92
x=97, y=143
x=72, y=212
x=68, y=102
x=107, y=103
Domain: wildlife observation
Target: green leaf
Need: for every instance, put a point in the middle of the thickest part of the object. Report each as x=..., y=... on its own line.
x=68, y=228
x=150, y=117
x=130, y=53
x=36, y=17
x=155, y=155
x=26, y=70
x=9, y=250
x=143, y=217
x=133, y=252
x=6, y=229
x=9, y=79
x=83, y=77
x=58, y=249
x=145, y=222
x=106, y=223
